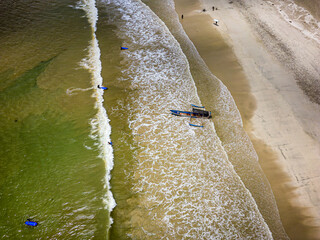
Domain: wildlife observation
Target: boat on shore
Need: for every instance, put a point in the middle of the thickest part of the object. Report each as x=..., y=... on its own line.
x=195, y=113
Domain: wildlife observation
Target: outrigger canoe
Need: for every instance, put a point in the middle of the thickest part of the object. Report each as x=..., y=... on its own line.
x=196, y=113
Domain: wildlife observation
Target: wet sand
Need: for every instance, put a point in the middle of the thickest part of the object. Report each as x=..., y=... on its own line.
x=274, y=109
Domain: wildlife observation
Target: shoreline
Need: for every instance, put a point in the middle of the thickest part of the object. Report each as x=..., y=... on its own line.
x=217, y=47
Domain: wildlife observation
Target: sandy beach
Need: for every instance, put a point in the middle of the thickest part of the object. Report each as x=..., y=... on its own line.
x=271, y=68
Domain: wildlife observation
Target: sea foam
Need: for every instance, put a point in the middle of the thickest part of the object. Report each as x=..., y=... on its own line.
x=101, y=128
x=300, y=18
x=184, y=185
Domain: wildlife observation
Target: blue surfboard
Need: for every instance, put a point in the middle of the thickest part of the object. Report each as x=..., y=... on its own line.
x=31, y=223
x=103, y=88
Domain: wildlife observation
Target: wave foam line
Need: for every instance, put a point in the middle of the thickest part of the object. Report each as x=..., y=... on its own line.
x=186, y=186
x=100, y=127
x=72, y=91
x=300, y=18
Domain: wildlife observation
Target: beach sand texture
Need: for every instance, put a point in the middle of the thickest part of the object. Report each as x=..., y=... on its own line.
x=270, y=63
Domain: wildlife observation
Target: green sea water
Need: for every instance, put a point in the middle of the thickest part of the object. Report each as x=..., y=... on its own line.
x=49, y=167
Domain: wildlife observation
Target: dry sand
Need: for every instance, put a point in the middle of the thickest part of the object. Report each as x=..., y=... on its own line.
x=274, y=75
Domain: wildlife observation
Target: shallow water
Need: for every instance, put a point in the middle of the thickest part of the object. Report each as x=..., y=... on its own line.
x=181, y=182
x=312, y=6
x=304, y=15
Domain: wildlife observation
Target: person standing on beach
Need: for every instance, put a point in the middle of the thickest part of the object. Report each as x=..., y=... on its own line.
x=182, y=16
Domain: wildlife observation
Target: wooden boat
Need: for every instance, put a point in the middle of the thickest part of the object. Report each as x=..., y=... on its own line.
x=196, y=113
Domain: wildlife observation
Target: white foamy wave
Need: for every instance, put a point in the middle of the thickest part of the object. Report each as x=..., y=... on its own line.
x=185, y=186
x=300, y=18
x=100, y=127
x=87, y=147
x=73, y=91
x=89, y=6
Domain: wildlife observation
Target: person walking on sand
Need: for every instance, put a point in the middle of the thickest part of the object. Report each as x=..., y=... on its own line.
x=212, y=8
x=182, y=16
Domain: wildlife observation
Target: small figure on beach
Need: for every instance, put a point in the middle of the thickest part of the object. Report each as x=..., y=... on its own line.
x=215, y=22
x=182, y=16
x=110, y=143
x=212, y=8
x=203, y=10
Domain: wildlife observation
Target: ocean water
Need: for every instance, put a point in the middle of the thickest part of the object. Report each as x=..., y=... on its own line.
x=183, y=185
x=310, y=5
x=51, y=166
x=161, y=179
x=302, y=14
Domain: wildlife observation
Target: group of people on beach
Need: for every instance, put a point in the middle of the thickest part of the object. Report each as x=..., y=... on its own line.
x=203, y=10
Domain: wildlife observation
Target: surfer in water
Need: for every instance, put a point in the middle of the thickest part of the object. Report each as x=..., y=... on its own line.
x=103, y=88
x=29, y=222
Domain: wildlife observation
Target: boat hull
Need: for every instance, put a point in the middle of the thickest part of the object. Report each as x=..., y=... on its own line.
x=189, y=114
